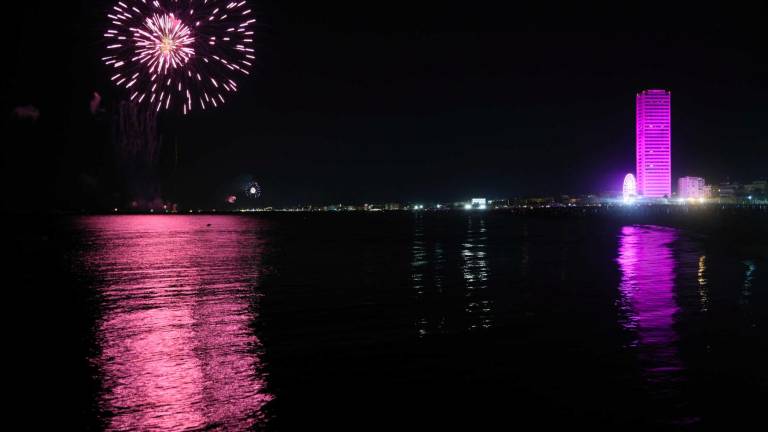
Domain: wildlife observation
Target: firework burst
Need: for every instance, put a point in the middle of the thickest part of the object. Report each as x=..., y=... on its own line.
x=179, y=54
x=253, y=190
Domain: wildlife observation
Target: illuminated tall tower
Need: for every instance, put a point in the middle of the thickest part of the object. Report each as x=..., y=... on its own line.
x=654, y=144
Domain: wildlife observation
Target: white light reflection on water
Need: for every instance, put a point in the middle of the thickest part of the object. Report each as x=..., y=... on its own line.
x=474, y=253
x=427, y=267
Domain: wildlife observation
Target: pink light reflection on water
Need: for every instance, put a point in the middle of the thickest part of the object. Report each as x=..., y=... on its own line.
x=647, y=267
x=177, y=350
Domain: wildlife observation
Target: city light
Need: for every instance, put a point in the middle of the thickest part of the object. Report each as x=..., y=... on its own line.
x=479, y=203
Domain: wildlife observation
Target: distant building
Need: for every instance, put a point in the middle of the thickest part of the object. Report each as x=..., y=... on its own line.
x=727, y=190
x=691, y=187
x=478, y=203
x=758, y=187
x=498, y=203
x=654, y=143
x=538, y=201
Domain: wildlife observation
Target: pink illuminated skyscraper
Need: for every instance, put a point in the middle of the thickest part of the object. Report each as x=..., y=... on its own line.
x=654, y=144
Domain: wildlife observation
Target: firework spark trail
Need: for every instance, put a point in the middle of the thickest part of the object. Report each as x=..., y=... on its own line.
x=179, y=54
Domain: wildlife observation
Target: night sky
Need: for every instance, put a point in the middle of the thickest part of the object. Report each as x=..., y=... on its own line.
x=413, y=101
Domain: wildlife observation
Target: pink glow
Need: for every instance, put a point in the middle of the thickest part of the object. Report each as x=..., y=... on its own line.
x=648, y=300
x=654, y=144
x=177, y=350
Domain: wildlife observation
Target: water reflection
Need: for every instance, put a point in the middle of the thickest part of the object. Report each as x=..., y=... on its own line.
x=427, y=273
x=701, y=277
x=525, y=261
x=439, y=265
x=746, y=289
x=479, y=306
x=176, y=347
x=647, y=269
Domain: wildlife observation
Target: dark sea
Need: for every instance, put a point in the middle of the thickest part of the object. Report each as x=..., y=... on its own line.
x=460, y=320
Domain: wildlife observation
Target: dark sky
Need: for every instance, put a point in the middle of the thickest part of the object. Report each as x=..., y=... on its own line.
x=401, y=101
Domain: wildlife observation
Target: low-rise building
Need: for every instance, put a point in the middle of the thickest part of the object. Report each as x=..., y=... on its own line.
x=691, y=187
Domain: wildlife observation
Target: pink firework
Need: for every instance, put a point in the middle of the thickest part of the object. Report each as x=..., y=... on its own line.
x=164, y=43
x=184, y=54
